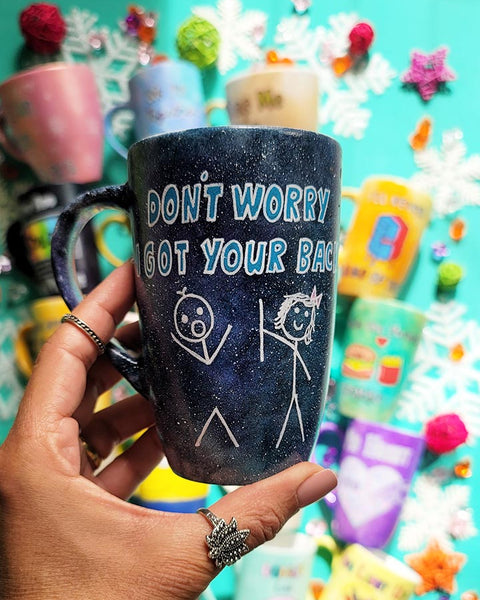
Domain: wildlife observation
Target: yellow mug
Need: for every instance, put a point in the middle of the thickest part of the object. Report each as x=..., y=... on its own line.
x=46, y=314
x=366, y=574
x=383, y=239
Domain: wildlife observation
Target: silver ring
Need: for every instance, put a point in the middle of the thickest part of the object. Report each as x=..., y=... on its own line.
x=69, y=318
x=226, y=543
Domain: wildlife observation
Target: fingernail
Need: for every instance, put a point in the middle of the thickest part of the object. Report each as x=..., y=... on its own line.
x=315, y=487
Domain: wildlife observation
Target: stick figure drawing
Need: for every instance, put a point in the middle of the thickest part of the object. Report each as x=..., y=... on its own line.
x=194, y=322
x=295, y=321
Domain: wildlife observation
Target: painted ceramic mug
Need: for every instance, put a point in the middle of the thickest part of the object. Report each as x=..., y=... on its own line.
x=167, y=96
x=29, y=238
x=376, y=468
x=383, y=238
x=46, y=315
x=362, y=573
x=382, y=336
x=51, y=119
x=286, y=96
x=280, y=568
x=235, y=237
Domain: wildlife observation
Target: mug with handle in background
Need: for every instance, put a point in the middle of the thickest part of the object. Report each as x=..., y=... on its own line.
x=46, y=314
x=368, y=573
x=235, y=240
x=279, y=95
x=383, y=239
x=377, y=464
x=51, y=119
x=166, y=96
x=382, y=336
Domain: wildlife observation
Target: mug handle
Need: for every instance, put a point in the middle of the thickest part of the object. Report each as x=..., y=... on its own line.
x=7, y=143
x=100, y=242
x=23, y=355
x=213, y=105
x=112, y=139
x=69, y=225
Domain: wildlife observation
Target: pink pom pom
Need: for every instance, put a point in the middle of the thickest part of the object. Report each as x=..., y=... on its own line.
x=444, y=433
x=361, y=38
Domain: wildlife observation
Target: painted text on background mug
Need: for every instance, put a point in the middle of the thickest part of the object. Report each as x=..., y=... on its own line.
x=51, y=119
x=278, y=569
x=383, y=238
x=376, y=467
x=235, y=237
x=167, y=96
x=366, y=574
x=382, y=336
x=286, y=96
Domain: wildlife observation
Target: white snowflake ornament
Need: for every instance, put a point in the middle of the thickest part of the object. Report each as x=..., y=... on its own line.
x=452, y=178
x=113, y=63
x=342, y=98
x=441, y=381
x=434, y=511
x=240, y=32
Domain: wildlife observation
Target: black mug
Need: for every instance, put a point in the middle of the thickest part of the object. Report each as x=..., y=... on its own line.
x=29, y=238
x=235, y=233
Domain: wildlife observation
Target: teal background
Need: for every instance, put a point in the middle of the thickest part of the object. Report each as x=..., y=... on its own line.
x=400, y=26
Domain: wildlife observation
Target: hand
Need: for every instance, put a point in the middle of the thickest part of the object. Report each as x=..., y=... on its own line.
x=67, y=531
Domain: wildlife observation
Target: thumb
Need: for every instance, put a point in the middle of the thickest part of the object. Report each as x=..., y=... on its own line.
x=265, y=506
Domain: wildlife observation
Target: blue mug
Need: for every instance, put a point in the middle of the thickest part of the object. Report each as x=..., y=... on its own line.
x=235, y=237
x=164, y=97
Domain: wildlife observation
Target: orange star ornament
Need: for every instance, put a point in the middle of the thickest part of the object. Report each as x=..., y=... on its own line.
x=437, y=568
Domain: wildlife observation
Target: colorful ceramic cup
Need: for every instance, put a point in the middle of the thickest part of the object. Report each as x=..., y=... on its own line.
x=383, y=239
x=167, y=96
x=164, y=490
x=362, y=573
x=280, y=568
x=382, y=336
x=51, y=119
x=235, y=237
x=29, y=238
x=46, y=315
x=376, y=467
x=285, y=96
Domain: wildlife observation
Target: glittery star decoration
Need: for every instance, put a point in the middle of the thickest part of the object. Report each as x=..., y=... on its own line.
x=437, y=568
x=428, y=72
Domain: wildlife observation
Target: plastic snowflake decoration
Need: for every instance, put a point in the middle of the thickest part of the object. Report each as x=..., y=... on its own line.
x=344, y=97
x=113, y=62
x=240, y=32
x=448, y=175
x=435, y=511
x=445, y=376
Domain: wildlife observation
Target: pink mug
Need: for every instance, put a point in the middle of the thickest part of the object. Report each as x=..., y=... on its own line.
x=51, y=119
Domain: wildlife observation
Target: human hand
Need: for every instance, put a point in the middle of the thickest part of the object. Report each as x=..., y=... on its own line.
x=66, y=530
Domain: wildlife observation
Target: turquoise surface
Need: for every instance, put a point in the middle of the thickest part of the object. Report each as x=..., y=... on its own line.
x=400, y=27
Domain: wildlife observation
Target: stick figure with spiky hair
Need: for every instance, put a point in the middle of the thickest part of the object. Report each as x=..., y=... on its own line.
x=296, y=322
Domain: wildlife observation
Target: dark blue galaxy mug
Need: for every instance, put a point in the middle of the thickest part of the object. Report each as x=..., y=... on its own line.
x=235, y=236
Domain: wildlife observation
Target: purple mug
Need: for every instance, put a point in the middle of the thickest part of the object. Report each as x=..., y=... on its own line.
x=377, y=464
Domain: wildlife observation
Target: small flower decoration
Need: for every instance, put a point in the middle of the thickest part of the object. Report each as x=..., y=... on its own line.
x=428, y=73
x=227, y=542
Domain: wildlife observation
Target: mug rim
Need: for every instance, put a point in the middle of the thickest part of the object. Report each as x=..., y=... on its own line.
x=224, y=129
x=52, y=66
x=169, y=63
x=273, y=69
x=390, y=303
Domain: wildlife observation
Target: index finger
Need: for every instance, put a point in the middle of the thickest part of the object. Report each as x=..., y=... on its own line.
x=58, y=382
